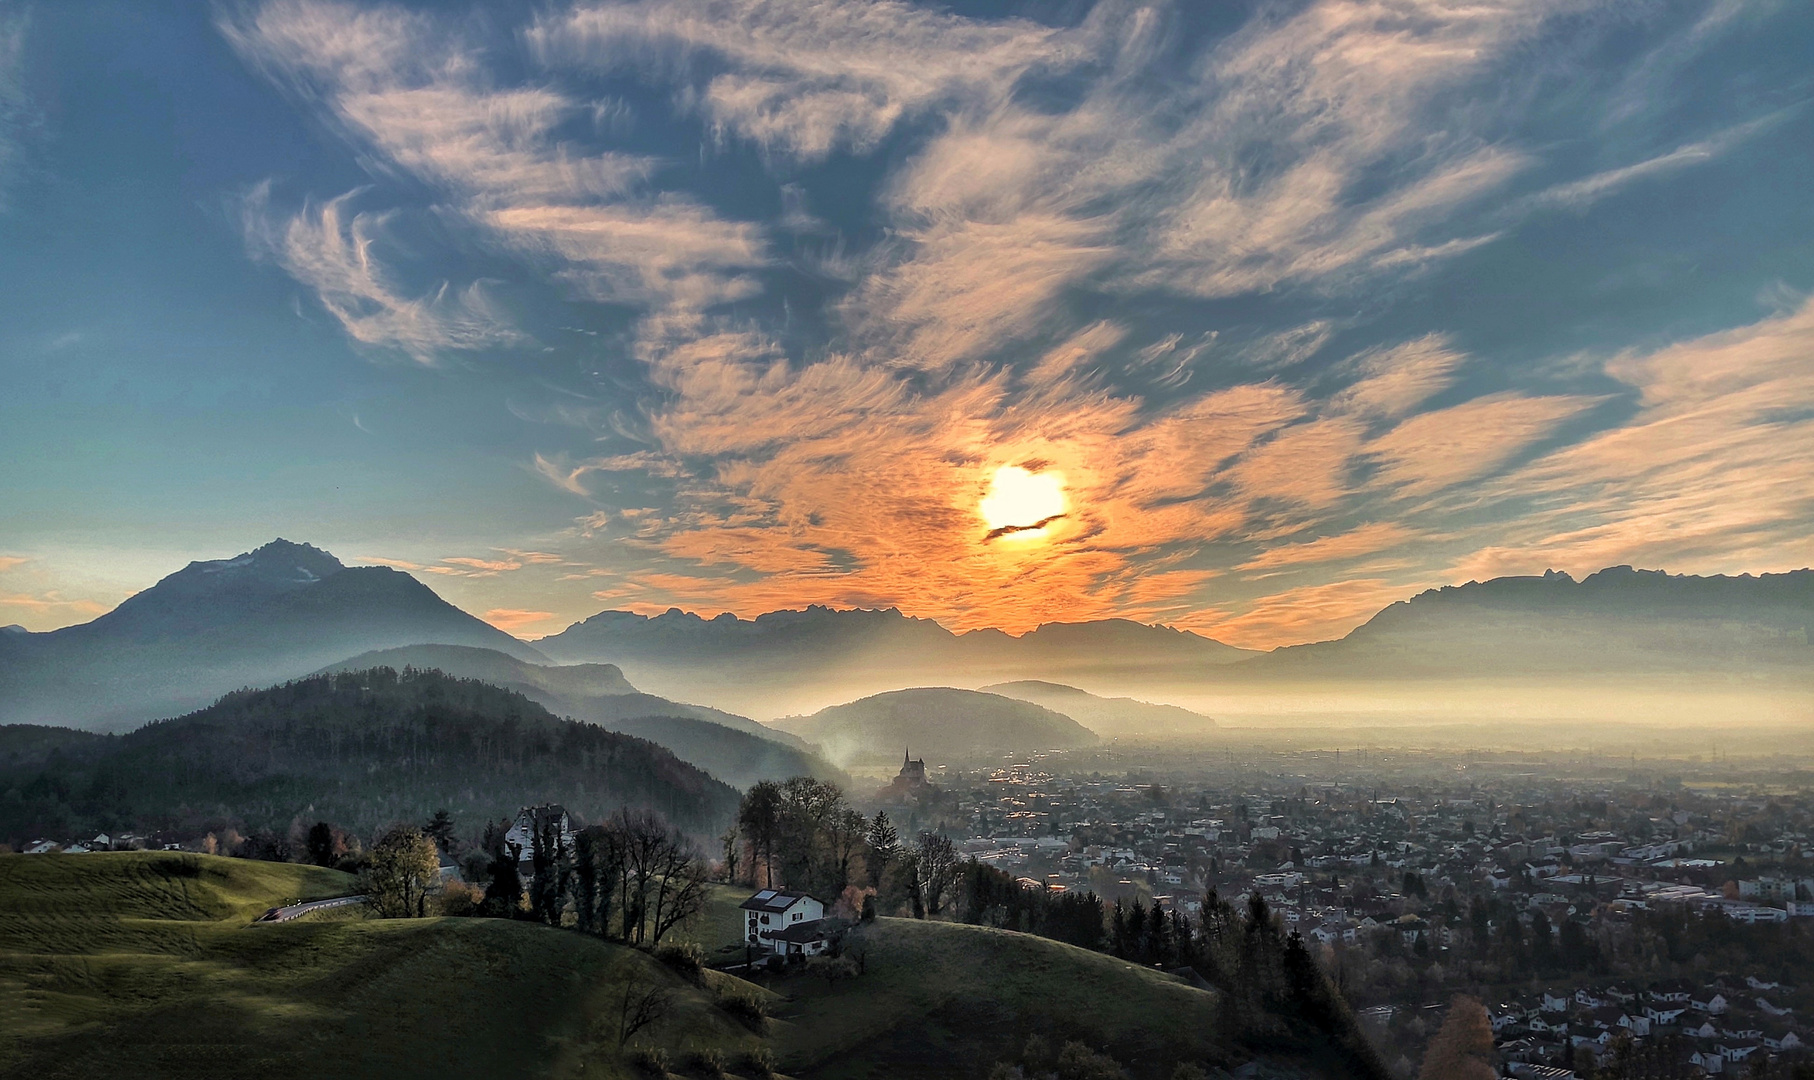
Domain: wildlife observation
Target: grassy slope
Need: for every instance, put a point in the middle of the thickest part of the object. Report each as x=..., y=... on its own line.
x=144, y=964
x=949, y=1000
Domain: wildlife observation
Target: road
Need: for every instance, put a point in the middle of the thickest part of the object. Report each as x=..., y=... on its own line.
x=285, y=914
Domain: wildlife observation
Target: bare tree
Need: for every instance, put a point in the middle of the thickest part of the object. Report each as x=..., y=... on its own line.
x=936, y=864
x=680, y=890
x=645, y=1001
x=844, y=829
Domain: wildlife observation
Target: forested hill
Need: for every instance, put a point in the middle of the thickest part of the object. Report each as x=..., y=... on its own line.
x=359, y=749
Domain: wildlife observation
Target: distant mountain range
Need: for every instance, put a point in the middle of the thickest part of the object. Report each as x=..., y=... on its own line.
x=789, y=660
x=288, y=609
x=939, y=723
x=1617, y=621
x=732, y=748
x=265, y=616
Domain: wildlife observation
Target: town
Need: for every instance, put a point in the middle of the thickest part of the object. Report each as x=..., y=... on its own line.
x=1599, y=907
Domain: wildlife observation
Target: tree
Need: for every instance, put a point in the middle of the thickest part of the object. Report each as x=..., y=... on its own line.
x=645, y=1001
x=553, y=871
x=680, y=892
x=759, y=819
x=598, y=864
x=504, y=896
x=936, y=866
x=1463, y=1048
x=440, y=829
x=845, y=831
x=884, y=846
x=402, y=868
x=321, y=844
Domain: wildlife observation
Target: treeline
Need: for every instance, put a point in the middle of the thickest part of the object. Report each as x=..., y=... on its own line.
x=633, y=878
x=363, y=749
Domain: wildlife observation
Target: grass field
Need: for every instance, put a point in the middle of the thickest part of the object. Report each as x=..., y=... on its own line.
x=949, y=1000
x=946, y=999
x=145, y=965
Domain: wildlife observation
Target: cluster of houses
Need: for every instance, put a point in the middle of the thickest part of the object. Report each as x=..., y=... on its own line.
x=1711, y=1027
x=102, y=842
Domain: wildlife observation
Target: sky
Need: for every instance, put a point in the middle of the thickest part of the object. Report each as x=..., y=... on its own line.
x=1249, y=318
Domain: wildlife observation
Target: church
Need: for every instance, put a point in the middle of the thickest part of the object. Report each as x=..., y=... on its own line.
x=909, y=784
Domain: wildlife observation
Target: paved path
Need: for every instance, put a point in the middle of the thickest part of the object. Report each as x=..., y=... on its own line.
x=285, y=914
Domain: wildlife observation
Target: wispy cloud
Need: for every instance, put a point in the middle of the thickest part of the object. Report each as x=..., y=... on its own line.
x=333, y=250
x=1307, y=613
x=1709, y=476
x=19, y=117
x=8, y=562
x=510, y=620
x=1355, y=543
x=50, y=603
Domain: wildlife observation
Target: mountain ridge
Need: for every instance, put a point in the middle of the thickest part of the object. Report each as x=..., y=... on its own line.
x=267, y=615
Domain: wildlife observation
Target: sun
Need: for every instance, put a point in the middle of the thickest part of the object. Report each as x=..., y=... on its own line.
x=1019, y=501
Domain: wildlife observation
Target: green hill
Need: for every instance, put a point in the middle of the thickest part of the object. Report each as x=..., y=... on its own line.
x=938, y=722
x=946, y=999
x=361, y=750
x=148, y=965
x=145, y=965
x=732, y=748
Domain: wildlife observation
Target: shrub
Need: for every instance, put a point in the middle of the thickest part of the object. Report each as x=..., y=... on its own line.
x=761, y=1063
x=746, y=1009
x=1188, y=1071
x=459, y=898
x=685, y=958
x=1078, y=1062
x=651, y=1060
x=711, y=1062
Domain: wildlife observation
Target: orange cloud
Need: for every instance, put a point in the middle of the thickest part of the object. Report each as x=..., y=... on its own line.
x=1308, y=613
x=510, y=620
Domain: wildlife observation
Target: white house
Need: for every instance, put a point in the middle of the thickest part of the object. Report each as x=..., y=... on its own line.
x=786, y=923
x=530, y=819
x=1783, y=1039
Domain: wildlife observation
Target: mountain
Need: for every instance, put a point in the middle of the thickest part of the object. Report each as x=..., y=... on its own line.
x=1618, y=620
x=1117, y=717
x=938, y=723
x=793, y=660
x=271, y=614
x=732, y=748
x=359, y=749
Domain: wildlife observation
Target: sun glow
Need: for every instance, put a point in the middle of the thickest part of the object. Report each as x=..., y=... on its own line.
x=1022, y=503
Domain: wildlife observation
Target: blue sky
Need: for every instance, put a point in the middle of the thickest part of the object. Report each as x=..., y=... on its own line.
x=737, y=306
